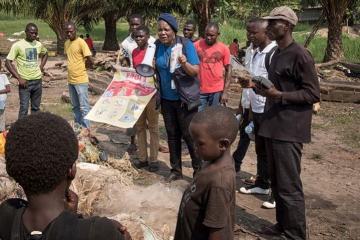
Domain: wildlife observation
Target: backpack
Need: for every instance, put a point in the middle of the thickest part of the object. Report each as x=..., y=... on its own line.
x=187, y=86
x=66, y=228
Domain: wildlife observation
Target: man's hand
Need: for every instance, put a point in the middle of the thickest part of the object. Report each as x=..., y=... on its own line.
x=182, y=60
x=22, y=83
x=121, y=229
x=239, y=110
x=71, y=201
x=270, y=93
x=243, y=77
x=224, y=97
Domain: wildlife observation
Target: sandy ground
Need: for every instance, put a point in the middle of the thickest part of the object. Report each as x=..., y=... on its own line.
x=330, y=174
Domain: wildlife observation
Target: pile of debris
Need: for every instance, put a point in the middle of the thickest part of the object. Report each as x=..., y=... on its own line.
x=339, y=81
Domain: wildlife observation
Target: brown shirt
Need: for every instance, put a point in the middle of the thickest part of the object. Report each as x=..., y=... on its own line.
x=292, y=70
x=208, y=202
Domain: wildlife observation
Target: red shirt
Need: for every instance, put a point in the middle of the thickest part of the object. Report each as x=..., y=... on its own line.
x=138, y=56
x=234, y=49
x=90, y=43
x=213, y=59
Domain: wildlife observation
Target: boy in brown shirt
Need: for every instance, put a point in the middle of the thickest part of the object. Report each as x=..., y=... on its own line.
x=207, y=208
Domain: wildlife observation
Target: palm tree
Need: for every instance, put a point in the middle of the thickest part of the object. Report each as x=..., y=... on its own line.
x=116, y=9
x=335, y=11
x=56, y=13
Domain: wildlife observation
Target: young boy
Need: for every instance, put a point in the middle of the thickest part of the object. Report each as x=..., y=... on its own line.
x=40, y=155
x=150, y=117
x=4, y=89
x=207, y=208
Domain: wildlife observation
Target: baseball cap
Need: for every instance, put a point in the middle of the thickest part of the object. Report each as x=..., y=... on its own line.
x=284, y=13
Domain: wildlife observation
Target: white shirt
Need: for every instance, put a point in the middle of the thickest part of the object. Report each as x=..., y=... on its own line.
x=245, y=96
x=257, y=68
x=129, y=44
x=3, y=82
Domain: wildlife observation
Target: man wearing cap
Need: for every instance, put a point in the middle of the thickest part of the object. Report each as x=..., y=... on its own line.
x=287, y=121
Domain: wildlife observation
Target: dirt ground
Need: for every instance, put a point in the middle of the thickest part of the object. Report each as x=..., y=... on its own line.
x=330, y=171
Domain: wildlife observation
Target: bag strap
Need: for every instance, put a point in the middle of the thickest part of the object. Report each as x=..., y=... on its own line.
x=15, y=229
x=269, y=56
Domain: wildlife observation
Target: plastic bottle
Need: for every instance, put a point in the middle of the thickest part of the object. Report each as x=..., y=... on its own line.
x=249, y=129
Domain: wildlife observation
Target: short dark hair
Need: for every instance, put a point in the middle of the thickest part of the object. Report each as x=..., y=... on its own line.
x=136, y=15
x=87, y=35
x=144, y=29
x=213, y=25
x=220, y=121
x=70, y=24
x=256, y=19
x=29, y=25
x=191, y=22
x=235, y=40
x=39, y=151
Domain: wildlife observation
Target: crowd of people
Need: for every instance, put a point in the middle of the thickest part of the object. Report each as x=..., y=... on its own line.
x=192, y=79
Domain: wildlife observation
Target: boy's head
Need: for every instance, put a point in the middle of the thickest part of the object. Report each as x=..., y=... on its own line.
x=40, y=152
x=141, y=36
x=213, y=131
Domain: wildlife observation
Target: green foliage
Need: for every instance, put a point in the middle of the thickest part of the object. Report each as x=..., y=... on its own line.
x=243, y=9
x=8, y=25
x=228, y=33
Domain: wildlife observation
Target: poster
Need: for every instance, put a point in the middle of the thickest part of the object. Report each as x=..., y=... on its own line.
x=124, y=99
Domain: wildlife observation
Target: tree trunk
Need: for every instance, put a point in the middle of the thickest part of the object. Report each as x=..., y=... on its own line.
x=60, y=35
x=334, y=42
x=111, y=42
x=203, y=10
x=60, y=44
x=335, y=11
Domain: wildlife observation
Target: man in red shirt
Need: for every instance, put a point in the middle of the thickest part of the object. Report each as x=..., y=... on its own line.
x=90, y=44
x=214, y=70
x=234, y=48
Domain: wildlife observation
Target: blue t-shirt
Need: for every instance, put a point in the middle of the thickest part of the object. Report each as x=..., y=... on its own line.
x=163, y=54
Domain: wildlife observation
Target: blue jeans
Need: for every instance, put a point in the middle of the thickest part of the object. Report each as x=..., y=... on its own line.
x=31, y=94
x=209, y=99
x=80, y=103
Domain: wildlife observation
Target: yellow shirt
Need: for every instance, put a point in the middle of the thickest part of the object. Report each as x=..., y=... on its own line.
x=76, y=52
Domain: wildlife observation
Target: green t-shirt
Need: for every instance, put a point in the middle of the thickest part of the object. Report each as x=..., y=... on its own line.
x=26, y=55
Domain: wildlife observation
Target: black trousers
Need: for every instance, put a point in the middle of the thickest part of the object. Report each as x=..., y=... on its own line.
x=284, y=169
x=177, y=120
x=262, y=179
x=244, y=141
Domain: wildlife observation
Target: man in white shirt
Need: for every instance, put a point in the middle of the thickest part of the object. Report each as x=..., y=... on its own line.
x=258, y=65
x=128, y=45
x=244, y=107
